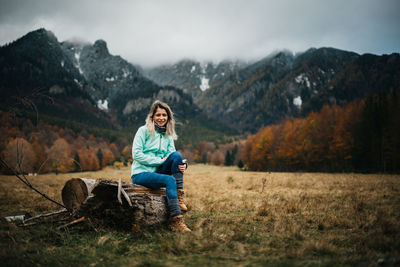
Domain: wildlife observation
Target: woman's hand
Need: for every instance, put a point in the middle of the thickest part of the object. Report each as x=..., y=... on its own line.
x=182, y=168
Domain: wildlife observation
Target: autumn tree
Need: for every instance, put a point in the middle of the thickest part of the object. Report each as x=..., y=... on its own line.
x=342, y=144
x=217, y=158
x=127, y=154
x=201, y=153
x=108, y=157
x=60, y=158
x=114, y=149
x=363, y=135
x=89, y=160
x=19, y=155
x=40, y=156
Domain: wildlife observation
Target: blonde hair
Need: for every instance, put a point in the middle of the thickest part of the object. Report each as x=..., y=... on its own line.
x=170, y=123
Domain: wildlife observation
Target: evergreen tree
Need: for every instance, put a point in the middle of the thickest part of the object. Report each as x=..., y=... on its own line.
x=369, y=154
x=99, y=155
x=228, y=158
x=204, y=158
x=233, y=154
x=240, y=164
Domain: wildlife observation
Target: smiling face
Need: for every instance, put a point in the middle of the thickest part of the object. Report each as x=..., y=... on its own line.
x=160, y=117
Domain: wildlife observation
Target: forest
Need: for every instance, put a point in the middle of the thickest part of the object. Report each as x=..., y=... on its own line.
x=42, y=148
x=35, y=146
x=361, y=136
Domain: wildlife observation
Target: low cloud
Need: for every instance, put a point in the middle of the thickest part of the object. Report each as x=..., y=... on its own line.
x=154, y=32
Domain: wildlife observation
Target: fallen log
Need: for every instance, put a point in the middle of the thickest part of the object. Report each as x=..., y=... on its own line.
x=115, y=204
x=58, y=216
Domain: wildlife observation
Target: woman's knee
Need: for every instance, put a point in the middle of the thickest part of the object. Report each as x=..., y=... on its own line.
x=176, y=156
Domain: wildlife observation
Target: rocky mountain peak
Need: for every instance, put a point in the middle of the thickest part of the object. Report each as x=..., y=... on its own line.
x=101, y=49
x=42, y=33
x=40, y=38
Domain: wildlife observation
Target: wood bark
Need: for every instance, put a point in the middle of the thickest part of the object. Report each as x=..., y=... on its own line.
x=115, y=204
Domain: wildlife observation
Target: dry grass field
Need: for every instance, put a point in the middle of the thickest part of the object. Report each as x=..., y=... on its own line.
x=238, y=219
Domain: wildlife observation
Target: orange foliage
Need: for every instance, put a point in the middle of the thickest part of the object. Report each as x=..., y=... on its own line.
x=126, y=152
x=321, y=141
x=60, y=155
x=114, y=150
x=19, y=156
x=108, y=157
x=217, y=158
x=45, y=148
x=88, y=160
x=40, y=156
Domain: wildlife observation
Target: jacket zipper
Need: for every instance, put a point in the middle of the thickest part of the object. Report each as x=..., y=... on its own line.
x=159, y=146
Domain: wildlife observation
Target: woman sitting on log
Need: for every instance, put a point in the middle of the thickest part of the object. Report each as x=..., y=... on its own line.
x=156, y=162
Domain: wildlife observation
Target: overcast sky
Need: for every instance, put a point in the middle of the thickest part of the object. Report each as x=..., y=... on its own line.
x=151, y=32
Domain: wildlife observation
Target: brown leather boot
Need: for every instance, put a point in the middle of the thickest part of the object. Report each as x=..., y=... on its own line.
x=181, y=202
x=178, y=225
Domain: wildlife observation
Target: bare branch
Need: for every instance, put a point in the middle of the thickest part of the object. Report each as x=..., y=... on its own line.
x=42, y=165
x=20, y=159
x=28, y=184
x=28, y=101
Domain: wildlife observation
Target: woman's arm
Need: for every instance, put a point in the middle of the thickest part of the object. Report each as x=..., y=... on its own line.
x=137, y=150
x=170, y=147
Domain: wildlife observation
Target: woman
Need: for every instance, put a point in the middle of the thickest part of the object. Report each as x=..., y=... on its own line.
x=156, y=163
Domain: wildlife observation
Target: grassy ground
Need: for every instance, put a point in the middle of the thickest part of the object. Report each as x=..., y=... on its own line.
x=238, y=218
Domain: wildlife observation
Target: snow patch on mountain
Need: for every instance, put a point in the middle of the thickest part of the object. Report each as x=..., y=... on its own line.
x=78, y=64
x=297, y=101
x=203, y=67
x=302, y=78
x=204, y=83
x=125, y=73
x=102, y=104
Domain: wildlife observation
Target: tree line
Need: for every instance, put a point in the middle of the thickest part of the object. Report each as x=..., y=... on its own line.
x=363, y=136
x=42, y=148
x=221, y=154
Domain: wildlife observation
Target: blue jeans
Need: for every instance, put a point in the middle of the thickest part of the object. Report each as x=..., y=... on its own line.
x=166, y=176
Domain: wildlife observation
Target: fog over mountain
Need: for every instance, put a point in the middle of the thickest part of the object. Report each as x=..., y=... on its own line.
x=151, y=33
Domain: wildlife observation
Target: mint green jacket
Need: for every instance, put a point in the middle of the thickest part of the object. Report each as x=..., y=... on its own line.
x=148, y=151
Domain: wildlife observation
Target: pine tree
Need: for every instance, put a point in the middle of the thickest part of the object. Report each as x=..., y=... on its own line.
x=240, y=164
x=228, y=159
x=99, y=155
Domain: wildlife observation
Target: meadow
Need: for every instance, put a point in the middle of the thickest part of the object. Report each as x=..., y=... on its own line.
x=238, y=219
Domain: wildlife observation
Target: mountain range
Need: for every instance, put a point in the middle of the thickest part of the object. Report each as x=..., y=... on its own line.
x=82, y=82
x=284, y=85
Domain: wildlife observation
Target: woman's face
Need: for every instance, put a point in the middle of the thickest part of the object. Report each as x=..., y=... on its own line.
x=160, y=117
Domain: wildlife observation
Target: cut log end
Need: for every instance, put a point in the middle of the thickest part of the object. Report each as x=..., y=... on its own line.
x=74, y=193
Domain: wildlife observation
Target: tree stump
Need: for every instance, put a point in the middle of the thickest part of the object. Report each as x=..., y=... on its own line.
x=115, y=204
